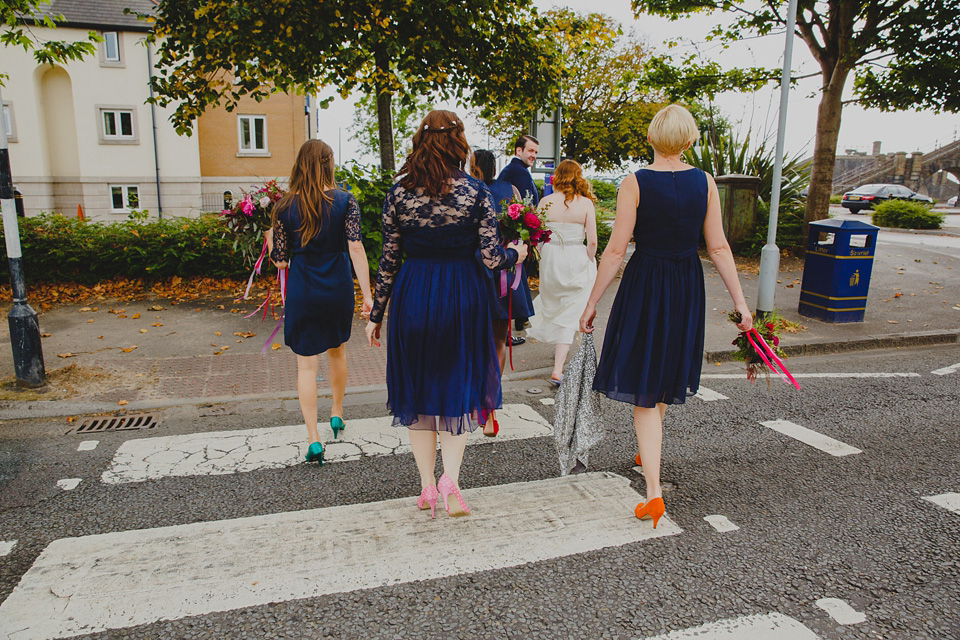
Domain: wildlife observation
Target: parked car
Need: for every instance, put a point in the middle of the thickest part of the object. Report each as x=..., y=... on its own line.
x=869, y=194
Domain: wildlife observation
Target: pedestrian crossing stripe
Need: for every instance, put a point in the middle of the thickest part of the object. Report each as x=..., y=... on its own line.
x=767, y=626
x=126, y=578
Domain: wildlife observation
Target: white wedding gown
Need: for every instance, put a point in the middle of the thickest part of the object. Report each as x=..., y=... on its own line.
x=566, y=278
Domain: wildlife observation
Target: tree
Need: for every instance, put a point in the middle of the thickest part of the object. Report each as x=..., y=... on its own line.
x=18, y=15
x=406, y=114
x=214, y=51
x=894, y=48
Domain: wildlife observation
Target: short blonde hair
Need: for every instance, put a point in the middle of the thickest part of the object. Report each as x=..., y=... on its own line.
x=672, y=130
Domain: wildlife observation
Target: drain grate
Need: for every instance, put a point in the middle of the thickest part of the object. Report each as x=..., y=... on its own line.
x=130, y=422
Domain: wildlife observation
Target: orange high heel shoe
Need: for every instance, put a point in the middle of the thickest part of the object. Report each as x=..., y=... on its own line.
x=652, y=509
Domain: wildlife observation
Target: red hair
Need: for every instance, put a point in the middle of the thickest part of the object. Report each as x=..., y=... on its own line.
x=440, y=152
x=568, y=179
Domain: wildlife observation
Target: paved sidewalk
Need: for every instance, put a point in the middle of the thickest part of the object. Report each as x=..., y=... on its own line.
x=205, y=351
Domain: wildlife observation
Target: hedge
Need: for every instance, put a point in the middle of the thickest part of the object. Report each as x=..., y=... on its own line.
x=903, y=214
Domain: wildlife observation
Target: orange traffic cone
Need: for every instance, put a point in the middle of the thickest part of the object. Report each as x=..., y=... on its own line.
x=80, y=212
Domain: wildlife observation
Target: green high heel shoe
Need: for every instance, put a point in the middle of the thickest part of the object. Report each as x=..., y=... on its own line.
x=337, y=425
x=315, y=453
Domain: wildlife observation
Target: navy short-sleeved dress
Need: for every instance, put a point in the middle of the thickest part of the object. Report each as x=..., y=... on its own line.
x=441, y=358
x=319, y=305
x=653, y=347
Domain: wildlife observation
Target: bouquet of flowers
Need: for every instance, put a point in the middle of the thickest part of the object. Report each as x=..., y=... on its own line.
x=760, y=348
x=520, y=220
x=250, y=218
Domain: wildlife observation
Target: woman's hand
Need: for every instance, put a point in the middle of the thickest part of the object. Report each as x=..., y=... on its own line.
x=746, y=317
x=521, y=250
x=367, y=307
x=281, y=265
x=373, y=333
x=586, y=320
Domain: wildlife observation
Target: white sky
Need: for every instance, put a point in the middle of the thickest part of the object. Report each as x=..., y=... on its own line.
x=900, y=131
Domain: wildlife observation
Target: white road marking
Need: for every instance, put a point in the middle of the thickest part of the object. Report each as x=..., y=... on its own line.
x=721, y=523
x=6, y=547
x=947, y=370
x=949, y=501
x=840, y=611
x=709, y=395
x=638, y=470
x=242, y=450
x=768, y=626
x=547, y=401
x=127, y=578
x=88, y=445
x=741, y=376
x=68, y=484
x=812, y=438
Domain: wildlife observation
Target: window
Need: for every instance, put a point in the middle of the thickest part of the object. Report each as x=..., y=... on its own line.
x=111, y=46
x=124, y=197
x=9, y=122
x=252, y=131
x=117, y=125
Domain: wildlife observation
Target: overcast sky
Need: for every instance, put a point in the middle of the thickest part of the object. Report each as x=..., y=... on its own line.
x=901, y=131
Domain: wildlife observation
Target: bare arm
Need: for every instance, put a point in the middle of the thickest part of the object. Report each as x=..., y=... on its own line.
x=590, y=228
x=628, y=197
x=722, y=256
x=357, y=254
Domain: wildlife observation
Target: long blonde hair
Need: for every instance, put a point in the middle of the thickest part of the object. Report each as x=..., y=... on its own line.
x=312, y=172
x=568, y=179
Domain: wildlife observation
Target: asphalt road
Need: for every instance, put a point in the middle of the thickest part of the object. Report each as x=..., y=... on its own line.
x=811, y=525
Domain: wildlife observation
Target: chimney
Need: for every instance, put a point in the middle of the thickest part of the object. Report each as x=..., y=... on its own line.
x=876, y=148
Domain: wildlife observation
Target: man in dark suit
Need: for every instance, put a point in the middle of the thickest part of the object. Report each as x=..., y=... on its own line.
x=517, y=173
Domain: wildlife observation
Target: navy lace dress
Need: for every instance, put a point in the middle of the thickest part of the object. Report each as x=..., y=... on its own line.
x=653, y=347
x=441, y=359
x=318, y=312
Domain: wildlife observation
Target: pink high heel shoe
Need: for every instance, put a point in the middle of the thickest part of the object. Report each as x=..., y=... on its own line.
x=428, y=500
x=446, y=487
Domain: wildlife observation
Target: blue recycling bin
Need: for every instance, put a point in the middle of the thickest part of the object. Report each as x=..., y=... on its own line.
x=836, y=270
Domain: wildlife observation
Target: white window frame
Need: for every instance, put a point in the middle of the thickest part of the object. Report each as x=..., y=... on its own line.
x=118, y=138
x=252, y=150
x=111, y=62
x=9, y=121
x=125, y=194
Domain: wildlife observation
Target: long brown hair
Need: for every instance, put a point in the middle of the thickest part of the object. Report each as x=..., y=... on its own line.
x=312, y=172
x=568, y=179
x=440, y=151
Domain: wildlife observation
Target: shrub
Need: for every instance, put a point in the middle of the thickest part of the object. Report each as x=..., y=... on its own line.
x=903, y=214
x=604, y=190
x=539, y=183
x=604, y=229
x=57, y=248
x=789, y=229
x=369, y=185
x=836, y=199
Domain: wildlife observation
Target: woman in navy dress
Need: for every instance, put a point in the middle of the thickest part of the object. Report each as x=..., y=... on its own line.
x=442, y=368
x=483, y=166
x=316, y=233
x=653, y=347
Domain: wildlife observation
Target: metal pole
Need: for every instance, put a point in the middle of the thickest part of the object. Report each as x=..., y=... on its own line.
x=24, y=327
x=153, y=122
x=770, y=254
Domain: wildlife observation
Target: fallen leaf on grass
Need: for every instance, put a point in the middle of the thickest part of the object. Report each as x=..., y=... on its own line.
x=99, y=337
x=216, y=333
x=220, y=306
x=213, y=344
x=156, y=307
x=275, y=346
x=84, y=309
x=893, y=322
x=234, y=310
x=66, y=355
x=90, y=321
x=176, y=280
x=216, y=353
x=135, y=316
x=116, y=311
x=71, y=419
x=244, y=334
x=239, y=341
x=224, y=348
x=128, y=349
x=122, y=402
x=143, y=330
x=44, y=335
x=157, y=324
x=897, y=294
x=120, y=315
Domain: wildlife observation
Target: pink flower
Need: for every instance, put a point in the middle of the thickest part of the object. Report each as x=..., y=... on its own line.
x=247, y=206
x=532, y=221
x=264, y=202
x=226, y=212
x=776, y=341
x=514, y=211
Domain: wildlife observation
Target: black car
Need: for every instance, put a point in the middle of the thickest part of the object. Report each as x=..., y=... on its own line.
x=869, y=194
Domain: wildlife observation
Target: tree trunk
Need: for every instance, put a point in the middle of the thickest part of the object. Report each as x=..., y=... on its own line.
x=385, y=130
x=825, y=149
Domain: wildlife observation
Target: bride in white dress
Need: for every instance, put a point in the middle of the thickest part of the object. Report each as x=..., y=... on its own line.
x=568, y=267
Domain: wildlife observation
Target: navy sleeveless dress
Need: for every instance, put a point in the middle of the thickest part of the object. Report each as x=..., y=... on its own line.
x=501, y=190
x=441, y=359
x=319, y=306
x=653, y=347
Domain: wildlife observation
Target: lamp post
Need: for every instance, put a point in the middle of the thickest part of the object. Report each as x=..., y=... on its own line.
x=24, y=328
x=770, y=254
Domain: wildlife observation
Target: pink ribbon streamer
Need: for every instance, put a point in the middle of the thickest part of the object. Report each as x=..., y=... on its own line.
x=273, y=335
x=504, y=284
x=256, y=269
x=775, y=363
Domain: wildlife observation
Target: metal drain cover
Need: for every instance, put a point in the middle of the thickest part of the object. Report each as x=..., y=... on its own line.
x=129, y=422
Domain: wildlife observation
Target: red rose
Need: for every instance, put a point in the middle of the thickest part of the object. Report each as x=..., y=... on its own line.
x=531, y=221
x=770, y=326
